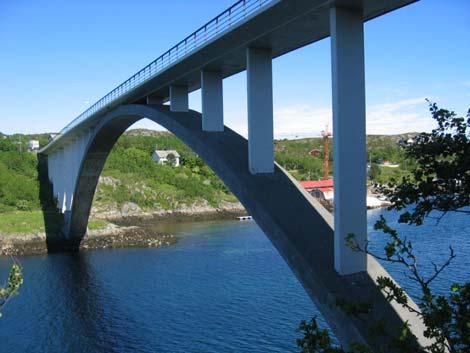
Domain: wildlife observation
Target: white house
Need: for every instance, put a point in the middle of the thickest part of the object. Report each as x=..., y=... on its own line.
x=163, y=156
x=33, y=145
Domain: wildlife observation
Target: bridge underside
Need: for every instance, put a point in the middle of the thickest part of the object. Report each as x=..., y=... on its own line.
x=298, y=226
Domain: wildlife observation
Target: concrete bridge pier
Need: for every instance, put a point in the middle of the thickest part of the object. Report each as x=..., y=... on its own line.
x=349, y=129
x=179, y=98
x=212, y=101
x=57, y=178
x=260, y=110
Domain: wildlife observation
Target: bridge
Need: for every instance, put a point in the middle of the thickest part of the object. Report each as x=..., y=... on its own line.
x=247, y=36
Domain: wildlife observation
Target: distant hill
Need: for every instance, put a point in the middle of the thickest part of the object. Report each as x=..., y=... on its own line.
x=146, y=132
x=132, y=176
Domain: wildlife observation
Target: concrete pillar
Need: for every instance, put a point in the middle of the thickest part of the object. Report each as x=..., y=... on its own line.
x=60, y=180
x=69, y=156
x=260, y=111
x=349, y=136
x=212, y=101
x=50, y=168
x=179, y=98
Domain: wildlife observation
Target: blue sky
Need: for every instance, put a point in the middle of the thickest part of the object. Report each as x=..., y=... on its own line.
x=58, y=57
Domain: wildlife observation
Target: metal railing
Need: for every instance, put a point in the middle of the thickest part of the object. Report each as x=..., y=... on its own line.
x=224, y=21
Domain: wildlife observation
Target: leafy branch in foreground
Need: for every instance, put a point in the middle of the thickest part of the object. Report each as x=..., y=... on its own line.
x=15, y=280
x=440, y=182
x=447, y=318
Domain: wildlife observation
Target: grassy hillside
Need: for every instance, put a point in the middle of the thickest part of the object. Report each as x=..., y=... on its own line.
x=136, y=178
x=294, y=156
x=131, y=176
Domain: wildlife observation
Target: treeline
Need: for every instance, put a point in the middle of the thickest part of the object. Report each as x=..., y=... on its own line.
x=135, y=177
x=294, y=155
x=19, y=187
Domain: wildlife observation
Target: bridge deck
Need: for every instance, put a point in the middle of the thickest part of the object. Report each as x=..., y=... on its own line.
x=220, y=45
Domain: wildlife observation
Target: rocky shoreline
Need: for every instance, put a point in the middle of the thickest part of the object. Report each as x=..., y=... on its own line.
x=111, y=237
x=125, y=229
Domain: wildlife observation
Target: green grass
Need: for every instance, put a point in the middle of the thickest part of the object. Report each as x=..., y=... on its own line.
x=32, y=222
x=21, y=222
x=388, y=175
x=97, y=224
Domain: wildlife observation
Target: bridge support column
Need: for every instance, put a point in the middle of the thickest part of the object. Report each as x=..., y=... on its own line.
x=212, y=101
x=179, y=98
x=260, y=111
x=349, y=128
x=60, y=180
x=69, y=166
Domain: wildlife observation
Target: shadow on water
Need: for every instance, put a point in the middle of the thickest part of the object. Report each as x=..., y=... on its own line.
x=81, y=307
x=53, y=219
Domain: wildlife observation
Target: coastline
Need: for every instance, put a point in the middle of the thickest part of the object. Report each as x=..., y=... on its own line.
x=126, y=228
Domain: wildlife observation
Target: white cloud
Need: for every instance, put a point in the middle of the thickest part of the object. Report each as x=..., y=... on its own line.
x=409, y=115
x=303, y=120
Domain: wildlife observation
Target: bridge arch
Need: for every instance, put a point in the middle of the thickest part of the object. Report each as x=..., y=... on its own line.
x=297, y=225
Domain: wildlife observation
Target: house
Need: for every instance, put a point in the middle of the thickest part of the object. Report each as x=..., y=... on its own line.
x=321, y=189
x=166, y=156
x=33, y=145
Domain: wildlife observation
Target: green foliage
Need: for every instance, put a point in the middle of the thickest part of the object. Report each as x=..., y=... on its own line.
x=15, y=280
x=381, y=148
x=440, y=177
x=315, y=339
x=294, y=156
x=374, y=171
x=149, y=184
x=19, y=188
x=171, y=158
x=390, y=175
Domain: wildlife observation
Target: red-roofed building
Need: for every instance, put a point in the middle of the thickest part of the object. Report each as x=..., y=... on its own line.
x=321, y=189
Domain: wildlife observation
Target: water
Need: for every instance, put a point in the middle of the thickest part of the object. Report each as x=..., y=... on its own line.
x=222, y=288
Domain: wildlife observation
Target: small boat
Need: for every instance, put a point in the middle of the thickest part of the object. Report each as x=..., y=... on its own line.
x=245, y=218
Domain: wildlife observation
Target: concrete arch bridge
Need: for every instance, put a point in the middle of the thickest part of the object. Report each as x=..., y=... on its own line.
x=247, y=36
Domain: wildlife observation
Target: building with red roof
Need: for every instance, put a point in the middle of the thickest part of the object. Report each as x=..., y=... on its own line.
x=321, y=189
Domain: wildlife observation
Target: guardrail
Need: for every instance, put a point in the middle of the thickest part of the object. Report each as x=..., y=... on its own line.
x=224, y=21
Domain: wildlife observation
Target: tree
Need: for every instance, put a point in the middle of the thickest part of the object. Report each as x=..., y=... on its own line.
x=15, y=280
x=171, y=158
x=440, y=182
x=440, y=179
x=374, y=171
